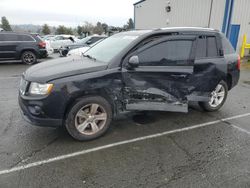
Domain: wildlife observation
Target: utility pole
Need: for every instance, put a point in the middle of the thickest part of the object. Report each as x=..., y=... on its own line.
x=210, y=13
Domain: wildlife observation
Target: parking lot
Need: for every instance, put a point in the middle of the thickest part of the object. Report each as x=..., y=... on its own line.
x=153, y=149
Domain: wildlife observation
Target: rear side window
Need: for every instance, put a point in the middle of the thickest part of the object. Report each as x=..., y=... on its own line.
x=6, y=37
x=25, y=38
x=212, y=50
x=166, y=53
x=1, y=37
x=227, y=47
x=206, y=47
x=10, y=37
x=201, y=50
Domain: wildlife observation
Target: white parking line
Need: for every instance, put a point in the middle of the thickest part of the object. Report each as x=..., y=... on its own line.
x=13, y=77
x=61, y=157
x=240, y=129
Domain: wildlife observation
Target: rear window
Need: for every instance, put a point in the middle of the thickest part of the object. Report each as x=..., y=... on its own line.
x=206, y=47
x=227, y=47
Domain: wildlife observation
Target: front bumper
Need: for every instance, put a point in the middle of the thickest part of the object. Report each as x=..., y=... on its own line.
x=39, y=121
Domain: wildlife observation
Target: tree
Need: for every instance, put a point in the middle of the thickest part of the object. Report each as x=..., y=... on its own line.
x=87, y=28
x=61, y=30
x=64, y=30
x=98, y=29
x=46, y=29
x=69, y=31
x=130, y=24
x=79, y=30
x=105, y=27
x=5, y=24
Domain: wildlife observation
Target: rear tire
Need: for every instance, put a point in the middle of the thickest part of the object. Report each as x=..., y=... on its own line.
x=218, y=98
x=28, y=57
x=89, y=118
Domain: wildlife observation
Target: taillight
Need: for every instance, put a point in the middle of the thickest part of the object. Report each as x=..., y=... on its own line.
x=238, y=63
x=42, y=44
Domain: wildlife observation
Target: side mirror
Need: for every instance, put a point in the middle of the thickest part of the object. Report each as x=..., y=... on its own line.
x=133, y=61
x=72, y=40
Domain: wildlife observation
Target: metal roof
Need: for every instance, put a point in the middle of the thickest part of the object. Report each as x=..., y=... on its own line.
x=188, y=28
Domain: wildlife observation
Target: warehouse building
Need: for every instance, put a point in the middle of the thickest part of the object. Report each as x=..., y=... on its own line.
x=232, y=17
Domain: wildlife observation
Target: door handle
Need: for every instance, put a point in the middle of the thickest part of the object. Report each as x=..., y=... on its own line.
x=179, y=75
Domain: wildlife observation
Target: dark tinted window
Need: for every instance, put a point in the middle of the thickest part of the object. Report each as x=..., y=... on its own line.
x=1, y=37
x=10, y=37
x=206, y=47
x=201, y=50
x=25, y=38
x=166, y=53
x=227, y=47
x=65, y=38
x=211, y=47
x=94, y=39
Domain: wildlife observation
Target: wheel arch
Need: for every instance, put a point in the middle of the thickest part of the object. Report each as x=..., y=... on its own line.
x=97, y=93
x=27, y=49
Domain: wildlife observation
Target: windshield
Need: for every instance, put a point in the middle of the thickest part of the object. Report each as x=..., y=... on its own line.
x=110, y=47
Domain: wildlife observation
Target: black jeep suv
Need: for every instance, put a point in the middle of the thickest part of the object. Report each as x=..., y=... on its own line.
x=162, y=70
x=24, y=46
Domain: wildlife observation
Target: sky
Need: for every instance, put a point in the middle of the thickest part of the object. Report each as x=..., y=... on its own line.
x=67, y=12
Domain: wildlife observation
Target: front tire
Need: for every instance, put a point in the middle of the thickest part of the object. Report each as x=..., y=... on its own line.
x=28, y=57
x=89, y=118
x=217, y=98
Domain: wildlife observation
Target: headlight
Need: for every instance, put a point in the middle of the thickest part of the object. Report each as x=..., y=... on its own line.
x=40, y=89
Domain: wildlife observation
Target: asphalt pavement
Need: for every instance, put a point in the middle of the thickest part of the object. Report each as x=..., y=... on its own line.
x=153, y=149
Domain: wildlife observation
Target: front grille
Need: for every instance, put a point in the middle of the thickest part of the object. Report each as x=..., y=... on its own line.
x=23, y=86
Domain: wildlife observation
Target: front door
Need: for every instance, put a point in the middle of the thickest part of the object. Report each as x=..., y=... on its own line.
x=161, y=80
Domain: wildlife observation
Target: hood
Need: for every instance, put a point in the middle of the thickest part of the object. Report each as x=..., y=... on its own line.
x=62, y=67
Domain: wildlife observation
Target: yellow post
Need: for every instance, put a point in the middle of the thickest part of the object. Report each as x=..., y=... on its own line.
x=242, y=53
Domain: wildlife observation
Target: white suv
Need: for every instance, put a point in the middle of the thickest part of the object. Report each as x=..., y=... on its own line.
x=62, y=40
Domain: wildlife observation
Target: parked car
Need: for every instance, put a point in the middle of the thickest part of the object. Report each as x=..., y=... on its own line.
x=86, y=42
x=49, y=49
x=23, y=46
x=48, y=37
x=160, y=70
x=82, y=50
x=62, y=40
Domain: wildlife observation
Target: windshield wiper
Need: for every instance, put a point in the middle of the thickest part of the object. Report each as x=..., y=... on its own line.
x=90, y=57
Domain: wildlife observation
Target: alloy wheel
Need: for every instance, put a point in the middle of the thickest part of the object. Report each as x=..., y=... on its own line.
x=29, y=58
x=90, y=119
x=217, y=96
